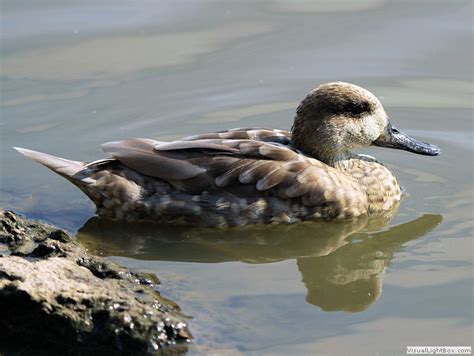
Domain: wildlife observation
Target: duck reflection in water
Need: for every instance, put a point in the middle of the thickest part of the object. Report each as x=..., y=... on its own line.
x=342, y=263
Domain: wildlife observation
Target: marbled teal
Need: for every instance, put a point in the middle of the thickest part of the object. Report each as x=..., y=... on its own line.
x=252, y=175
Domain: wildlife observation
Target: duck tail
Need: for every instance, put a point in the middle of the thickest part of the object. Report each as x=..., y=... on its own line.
x=61, y=166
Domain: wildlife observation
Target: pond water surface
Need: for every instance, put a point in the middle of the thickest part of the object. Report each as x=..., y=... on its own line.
x=76, y=74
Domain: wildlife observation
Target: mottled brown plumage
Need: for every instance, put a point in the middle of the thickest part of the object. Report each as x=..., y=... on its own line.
x=252, y=175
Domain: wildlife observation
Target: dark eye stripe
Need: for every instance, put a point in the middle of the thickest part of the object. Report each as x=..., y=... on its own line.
x=356, y=108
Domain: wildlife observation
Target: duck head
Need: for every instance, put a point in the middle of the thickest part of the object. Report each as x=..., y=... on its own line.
x=337, y=117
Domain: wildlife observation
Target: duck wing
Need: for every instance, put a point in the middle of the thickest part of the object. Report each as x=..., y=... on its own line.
x=186, y=159
x=243, y=167
x=139, y=154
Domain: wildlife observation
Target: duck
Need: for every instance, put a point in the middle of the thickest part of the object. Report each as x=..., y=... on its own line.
x=246, y=176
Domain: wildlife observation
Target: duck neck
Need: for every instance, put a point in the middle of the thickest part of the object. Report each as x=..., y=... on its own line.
x=343, y=161
x=338, y=159
x=323, y=143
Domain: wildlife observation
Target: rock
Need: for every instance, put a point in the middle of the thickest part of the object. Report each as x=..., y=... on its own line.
x=56, y=297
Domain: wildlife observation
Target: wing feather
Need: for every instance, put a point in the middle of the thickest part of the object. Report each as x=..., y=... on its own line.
x=257, y=134
x=208, y=144
x=231, y=175
x=254, y=171
x=139, y=154
x=272, y=178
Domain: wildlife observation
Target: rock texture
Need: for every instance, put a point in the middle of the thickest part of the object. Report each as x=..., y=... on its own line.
x=54, y=296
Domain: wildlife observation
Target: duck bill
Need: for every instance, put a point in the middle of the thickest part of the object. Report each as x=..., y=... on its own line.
x=392, y=138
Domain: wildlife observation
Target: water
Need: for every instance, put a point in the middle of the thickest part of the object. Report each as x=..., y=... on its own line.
x=79, y=74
